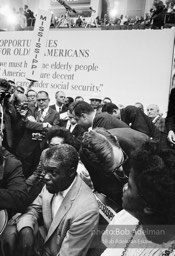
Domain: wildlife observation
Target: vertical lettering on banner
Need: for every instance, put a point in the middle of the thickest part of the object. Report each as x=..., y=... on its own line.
x=38, y=44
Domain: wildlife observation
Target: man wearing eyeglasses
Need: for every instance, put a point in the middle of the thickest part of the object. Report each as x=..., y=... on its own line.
x=39, y=119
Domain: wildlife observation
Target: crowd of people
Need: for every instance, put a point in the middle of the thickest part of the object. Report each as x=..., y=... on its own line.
x=160, y=15
x=79, y=178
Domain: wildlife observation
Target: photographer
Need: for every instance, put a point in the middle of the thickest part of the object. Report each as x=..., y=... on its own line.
x=7, y=114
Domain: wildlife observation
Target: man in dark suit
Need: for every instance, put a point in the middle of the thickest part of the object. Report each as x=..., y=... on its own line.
x=86, y=116
x=134, y=117
x=60, y=101
x=39, y=120
x=170, y=118
x=75, y=129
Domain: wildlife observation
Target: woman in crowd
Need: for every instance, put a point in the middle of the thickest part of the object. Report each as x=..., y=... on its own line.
x=146, y=225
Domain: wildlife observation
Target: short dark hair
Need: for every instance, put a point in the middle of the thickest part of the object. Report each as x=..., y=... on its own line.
x=22, y=90
x=79, y=97
x=107, y=98
x=109, y=108
x=67, y=155
x=70, y=99
x=43, y=92
x=11, y=81
x=154, y=175
x=59, y=132
x=80, y=107
x=97, y=148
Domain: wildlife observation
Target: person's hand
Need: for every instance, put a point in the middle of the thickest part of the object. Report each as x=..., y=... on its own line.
x=23, y=113
x=26, y=241
x=47, y=125
x=171, y=137
x=31, y=118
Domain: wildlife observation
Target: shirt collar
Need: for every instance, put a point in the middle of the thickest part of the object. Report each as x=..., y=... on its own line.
x=45, y=110
x=58, y=108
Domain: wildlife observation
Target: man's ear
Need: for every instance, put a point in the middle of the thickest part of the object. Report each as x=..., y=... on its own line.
x=148, y=210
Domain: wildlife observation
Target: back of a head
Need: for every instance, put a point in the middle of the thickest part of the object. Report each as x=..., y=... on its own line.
x=107, y=100
x=79, y=98
x=154, y=175
x=66, y=154
x=96, y=148
x=139, y=105
x=80, y=107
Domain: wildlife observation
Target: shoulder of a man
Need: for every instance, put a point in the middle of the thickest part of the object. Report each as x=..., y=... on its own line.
x=85, y=200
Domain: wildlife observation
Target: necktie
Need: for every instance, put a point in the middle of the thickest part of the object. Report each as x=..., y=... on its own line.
x=60, y=109
x=40, y=118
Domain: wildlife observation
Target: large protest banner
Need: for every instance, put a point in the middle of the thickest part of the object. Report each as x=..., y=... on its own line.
x=128, y=66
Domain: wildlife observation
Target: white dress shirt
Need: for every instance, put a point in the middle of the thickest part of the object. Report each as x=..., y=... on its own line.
x=58, y=198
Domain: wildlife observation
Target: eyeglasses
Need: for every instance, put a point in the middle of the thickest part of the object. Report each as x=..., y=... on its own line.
x=42, y=99
x=118, y=171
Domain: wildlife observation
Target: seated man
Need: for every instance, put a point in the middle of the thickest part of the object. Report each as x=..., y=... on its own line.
x=146, y=226
x=55, y=136
x=66, y=208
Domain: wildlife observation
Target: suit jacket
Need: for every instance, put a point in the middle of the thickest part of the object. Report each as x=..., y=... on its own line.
x=26, y=144
x=107, y=121
x=63, y=110
x=139, y=121
x=72, y=229
x=77, y=133
x=13, y=189
x=129, y=139
x=170, y=119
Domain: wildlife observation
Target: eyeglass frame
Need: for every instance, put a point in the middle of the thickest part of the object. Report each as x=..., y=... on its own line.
x=42, y=100
x=123, y=161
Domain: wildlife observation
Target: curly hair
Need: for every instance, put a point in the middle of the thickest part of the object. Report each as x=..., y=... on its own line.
x=66, y=154
x=59, y=132
x=154, y=176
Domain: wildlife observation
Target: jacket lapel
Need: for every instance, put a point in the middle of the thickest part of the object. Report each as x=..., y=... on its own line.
x=48, y=209
x=48, y=114
x=65, y=206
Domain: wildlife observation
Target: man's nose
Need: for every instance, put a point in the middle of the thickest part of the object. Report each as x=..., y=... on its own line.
x=47, y=177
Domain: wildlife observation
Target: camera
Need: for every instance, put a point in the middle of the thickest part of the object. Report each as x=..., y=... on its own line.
x=21, y=106
x=37, y=136
x=5, y=90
